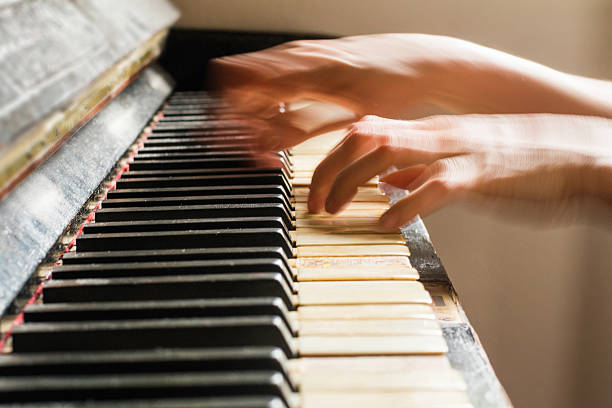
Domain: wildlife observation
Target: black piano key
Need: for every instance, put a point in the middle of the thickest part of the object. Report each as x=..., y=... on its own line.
x=206, y=172
x=193, y=155
x=165, y=255
x=199, y=178
x=160, y=309
x=228, y=162
x=197, y=137
x=195, y=211
x=145, y=361
x=198, y=148
x=198, y=125
x=251, y=401
x=191, y=164
x=183, y=225
x=186, y=239
x=139, y=386
x=179, y=102
x=235, y=285
x=198, y=200
x=196, y=191
x=140, y=269
x=230, y=154
x=206, y=164
x=245, y=331
x=216, y=146
x=190, y=117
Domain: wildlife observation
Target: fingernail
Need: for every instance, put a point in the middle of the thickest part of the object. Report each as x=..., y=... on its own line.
x=388, y=222
x=331, y=205
x=314, y=205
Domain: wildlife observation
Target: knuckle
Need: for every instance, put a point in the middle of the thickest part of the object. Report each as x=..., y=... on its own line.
x=437, y=122
x=298, y=43
x=385, y=150
x=370, y=119
x=439, y=185
x=357, y=137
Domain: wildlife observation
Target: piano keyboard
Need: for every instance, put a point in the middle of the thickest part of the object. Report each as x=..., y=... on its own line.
x=204, y=282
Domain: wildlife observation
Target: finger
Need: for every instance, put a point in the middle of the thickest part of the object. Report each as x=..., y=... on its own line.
x=429, y=197
x=355, y=174
x=438, y=184
x=404, y=177
x=351, y=148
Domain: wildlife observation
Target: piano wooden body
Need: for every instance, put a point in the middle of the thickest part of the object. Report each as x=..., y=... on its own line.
x=145, y=261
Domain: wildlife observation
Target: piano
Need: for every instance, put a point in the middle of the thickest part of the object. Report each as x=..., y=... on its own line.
x=146, y=260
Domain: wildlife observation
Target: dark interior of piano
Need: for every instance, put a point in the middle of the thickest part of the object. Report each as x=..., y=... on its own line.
x=150, y=257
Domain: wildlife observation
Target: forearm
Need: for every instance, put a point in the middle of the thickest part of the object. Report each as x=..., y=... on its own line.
x=484, y=80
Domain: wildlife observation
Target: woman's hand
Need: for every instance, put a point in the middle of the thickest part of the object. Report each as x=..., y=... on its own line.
x=440, y=159
x=396, y=76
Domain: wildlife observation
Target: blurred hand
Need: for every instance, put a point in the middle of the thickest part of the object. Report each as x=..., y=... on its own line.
x=393, y=75
x=440, y=159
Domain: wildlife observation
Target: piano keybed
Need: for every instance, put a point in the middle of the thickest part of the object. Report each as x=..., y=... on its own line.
x=205, y=282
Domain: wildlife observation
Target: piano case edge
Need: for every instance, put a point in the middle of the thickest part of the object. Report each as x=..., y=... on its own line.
x=35, y=214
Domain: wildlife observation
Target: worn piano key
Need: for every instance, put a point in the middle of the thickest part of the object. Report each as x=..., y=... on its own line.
x=165, y=255
x=359, y=197
x=186, y=239
x=352, y=250
x=346, y=213
x=358, y=272
x=195, y=211
x=170, y=287
x=409, y=399
x=302, y=179
x=160, y=309
x=199, y=332
x=343, y=377
x=169, y=268
x=196, y=191
x=371, y=345
x=366, y=311
x=146, y=361
x=133, y=386
x=309, y=237
x=378, y=327
x=199, y=200
x=358, y=206
x=184, y=224
x=338, y=224
x=350, y=261
x=362, y=292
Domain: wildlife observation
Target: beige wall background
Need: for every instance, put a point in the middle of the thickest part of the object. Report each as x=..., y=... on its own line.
x=539, y=298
